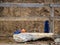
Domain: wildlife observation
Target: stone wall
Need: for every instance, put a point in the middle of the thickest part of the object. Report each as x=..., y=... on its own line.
x=31, y=1
x=25, y=12
x=8, y=27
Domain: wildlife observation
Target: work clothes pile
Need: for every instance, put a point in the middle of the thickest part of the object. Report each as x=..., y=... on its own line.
x=23, y=37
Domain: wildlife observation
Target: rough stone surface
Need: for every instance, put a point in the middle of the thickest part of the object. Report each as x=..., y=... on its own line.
x=8, y=27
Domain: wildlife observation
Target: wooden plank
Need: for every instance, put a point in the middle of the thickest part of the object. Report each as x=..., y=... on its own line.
x=21, y=5
x=52, y=20
x=27, y=5
x=57, y=18
x=23, y=18
x=55, y=5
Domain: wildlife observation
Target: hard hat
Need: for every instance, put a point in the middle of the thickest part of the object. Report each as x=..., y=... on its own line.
x=23, y=30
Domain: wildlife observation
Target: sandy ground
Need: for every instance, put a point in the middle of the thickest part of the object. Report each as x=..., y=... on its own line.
x=40, y=43
x=10, y=41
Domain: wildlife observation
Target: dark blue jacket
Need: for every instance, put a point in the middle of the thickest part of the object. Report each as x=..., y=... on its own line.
x=17, y=32
x=46, y=27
